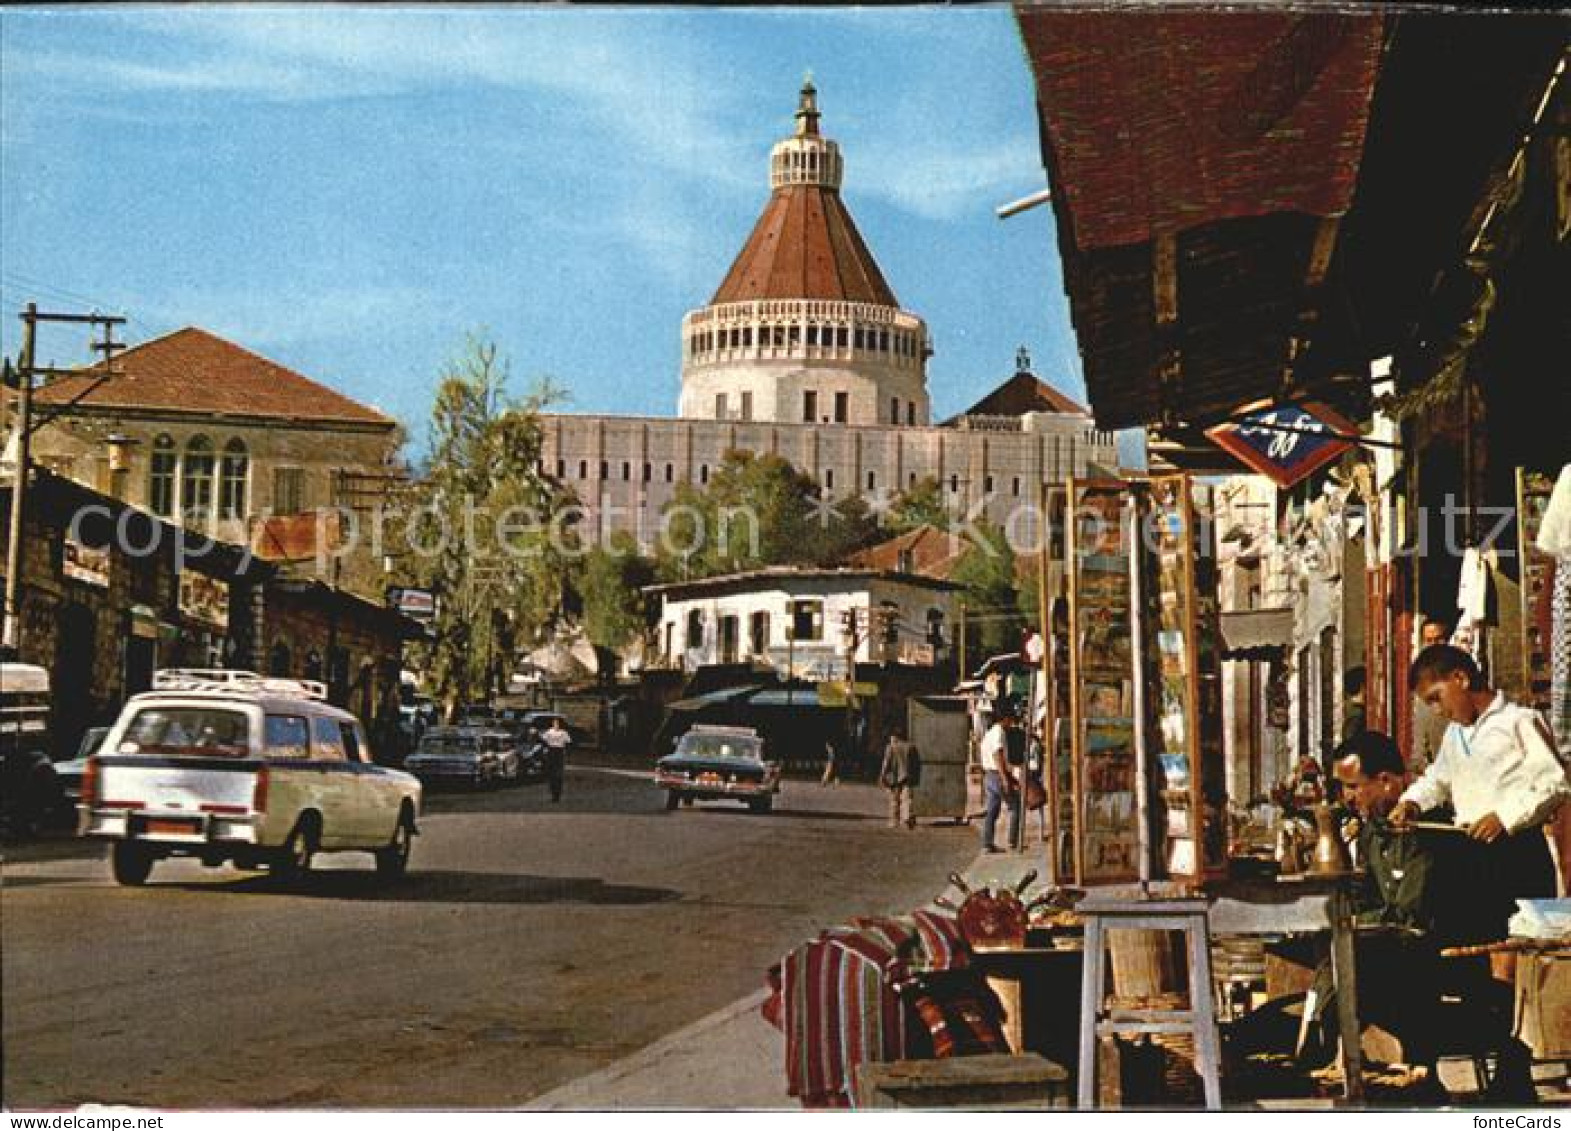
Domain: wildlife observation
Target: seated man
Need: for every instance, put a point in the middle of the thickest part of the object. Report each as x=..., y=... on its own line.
x=1397, y=902
x=1414, y=882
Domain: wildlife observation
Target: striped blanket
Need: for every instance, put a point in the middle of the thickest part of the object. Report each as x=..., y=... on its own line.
x=838, y=999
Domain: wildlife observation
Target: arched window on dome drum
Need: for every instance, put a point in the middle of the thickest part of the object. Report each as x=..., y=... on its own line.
x=196, y=480
x=161, y=476
x=232, y=483
x=812, y=333
x=842, y=336
x=883, y=341
x=747, y=337
x=894, y=410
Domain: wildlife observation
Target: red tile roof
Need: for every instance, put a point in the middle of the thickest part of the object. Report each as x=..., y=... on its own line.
x=1023, y=393
x=192, y=370
x=805, y=245
x=926, y=551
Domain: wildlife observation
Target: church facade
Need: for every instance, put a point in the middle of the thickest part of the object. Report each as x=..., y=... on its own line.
x=804, y=352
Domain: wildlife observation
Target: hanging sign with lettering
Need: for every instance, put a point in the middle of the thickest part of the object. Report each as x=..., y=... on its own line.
x=1286, y=443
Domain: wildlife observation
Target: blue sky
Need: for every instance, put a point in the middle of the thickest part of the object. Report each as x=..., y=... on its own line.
x=352, y=191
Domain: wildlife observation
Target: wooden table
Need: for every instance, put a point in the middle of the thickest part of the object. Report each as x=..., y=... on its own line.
x=1300, y=905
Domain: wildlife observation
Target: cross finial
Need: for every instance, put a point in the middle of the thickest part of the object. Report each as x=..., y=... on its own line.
x=1022, y=360
x=807, y=108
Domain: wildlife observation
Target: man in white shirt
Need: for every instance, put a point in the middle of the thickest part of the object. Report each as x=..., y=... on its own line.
x=998, y=780
x=556, y=739
x=1498, y=771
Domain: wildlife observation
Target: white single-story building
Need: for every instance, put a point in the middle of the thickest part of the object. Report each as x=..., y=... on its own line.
x=804, y=622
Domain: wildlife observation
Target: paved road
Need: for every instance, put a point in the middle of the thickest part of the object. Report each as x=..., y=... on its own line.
x=531, y=945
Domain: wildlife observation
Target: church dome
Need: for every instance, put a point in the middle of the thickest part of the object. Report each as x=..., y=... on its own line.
x=804, y=328
x=805, y=245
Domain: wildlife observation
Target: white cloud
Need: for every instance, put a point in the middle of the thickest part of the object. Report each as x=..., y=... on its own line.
x=948, y=183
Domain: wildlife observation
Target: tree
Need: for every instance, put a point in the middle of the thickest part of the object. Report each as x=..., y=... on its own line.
x=921, y=504
x=615, y=611
x=756, y=511
x=485, y=535
x=987, y=571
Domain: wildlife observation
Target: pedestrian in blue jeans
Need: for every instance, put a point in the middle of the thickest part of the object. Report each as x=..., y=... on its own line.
x=998, y=781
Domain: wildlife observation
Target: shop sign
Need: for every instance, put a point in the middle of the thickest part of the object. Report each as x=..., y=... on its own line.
x=86, y=564
x=1286, y=443
x=204, y=598
x=417, y=603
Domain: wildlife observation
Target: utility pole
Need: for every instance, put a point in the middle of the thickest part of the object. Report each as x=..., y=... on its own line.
x=26, y=370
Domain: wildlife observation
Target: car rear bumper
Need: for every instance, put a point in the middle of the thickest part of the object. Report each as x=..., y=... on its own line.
x=694, y=787
x=174, y=829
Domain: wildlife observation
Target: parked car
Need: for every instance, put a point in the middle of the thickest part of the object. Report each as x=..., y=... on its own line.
x=70, y=771
x=466, y=755
x=719, y=763
x=29, y=787
x=261, y=772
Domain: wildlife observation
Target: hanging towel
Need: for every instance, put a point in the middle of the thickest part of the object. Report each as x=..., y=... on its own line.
x=1554, y=532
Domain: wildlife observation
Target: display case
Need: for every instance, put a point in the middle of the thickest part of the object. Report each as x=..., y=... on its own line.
x=1106, y=836
x=1184, y=749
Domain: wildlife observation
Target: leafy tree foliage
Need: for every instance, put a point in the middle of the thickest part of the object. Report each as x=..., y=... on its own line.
x=485, y=537
x=756, y=511
x=921, y=504
x=615, y=612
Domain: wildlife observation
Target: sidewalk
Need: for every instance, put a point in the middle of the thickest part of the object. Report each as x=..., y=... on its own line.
x=732, y=1059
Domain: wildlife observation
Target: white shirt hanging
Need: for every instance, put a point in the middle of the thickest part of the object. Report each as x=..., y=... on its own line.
x=1554, y=533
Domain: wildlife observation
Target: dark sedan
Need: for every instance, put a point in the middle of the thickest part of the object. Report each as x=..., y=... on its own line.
x=716, y=763
x=465, y=756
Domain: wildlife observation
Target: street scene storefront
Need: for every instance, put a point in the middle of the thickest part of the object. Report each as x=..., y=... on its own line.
x=1335, y=335
x=1183, y=725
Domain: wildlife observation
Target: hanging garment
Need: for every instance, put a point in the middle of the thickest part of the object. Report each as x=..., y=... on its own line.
x=1560, y=656
x=1554, y=532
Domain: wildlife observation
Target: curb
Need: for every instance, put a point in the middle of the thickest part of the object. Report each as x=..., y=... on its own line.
x=582, y=1093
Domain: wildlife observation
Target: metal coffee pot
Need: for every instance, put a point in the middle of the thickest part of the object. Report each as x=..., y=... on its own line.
x=1331, y=857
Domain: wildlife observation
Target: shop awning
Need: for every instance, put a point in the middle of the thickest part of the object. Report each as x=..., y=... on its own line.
x=1253, y=204
x=1256, y=634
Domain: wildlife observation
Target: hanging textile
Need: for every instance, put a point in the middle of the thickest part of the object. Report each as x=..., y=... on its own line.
x=1554, y=529
x=1560, y=656
x=1472, y=603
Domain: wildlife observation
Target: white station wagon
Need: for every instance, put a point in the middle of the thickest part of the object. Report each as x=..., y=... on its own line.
x=229, y=766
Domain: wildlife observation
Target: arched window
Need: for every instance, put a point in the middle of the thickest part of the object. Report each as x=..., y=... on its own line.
x=233, y=478
x=196, y=480
x=695, y=628
x=161, y=476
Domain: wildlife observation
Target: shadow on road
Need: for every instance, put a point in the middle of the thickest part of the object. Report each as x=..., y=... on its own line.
x=445, y=887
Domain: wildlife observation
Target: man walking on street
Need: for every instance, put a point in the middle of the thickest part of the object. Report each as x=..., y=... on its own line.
x=557, y=740
x=998, y=780
x=902, y=769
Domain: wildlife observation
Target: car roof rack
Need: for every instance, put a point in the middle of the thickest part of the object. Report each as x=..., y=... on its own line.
x=232, y=679
x=716, y=728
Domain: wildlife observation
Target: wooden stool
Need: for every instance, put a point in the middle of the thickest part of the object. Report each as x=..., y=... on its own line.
x=1199, y=1020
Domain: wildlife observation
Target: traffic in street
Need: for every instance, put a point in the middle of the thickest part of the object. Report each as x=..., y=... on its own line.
x=530, y=944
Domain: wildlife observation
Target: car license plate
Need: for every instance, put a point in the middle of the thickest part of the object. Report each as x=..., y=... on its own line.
x=174, y=827
x=709, y=778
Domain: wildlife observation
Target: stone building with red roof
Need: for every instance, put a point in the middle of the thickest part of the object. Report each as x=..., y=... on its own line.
x=804, y=352
x=195, y=428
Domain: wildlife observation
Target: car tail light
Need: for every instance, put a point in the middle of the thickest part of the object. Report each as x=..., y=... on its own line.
x=90, y=782
x=259, y=797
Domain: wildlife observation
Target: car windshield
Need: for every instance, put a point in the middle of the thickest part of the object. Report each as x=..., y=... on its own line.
x=193, y=732
x=448, y=743
x=91, y=741
x=718, y=746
